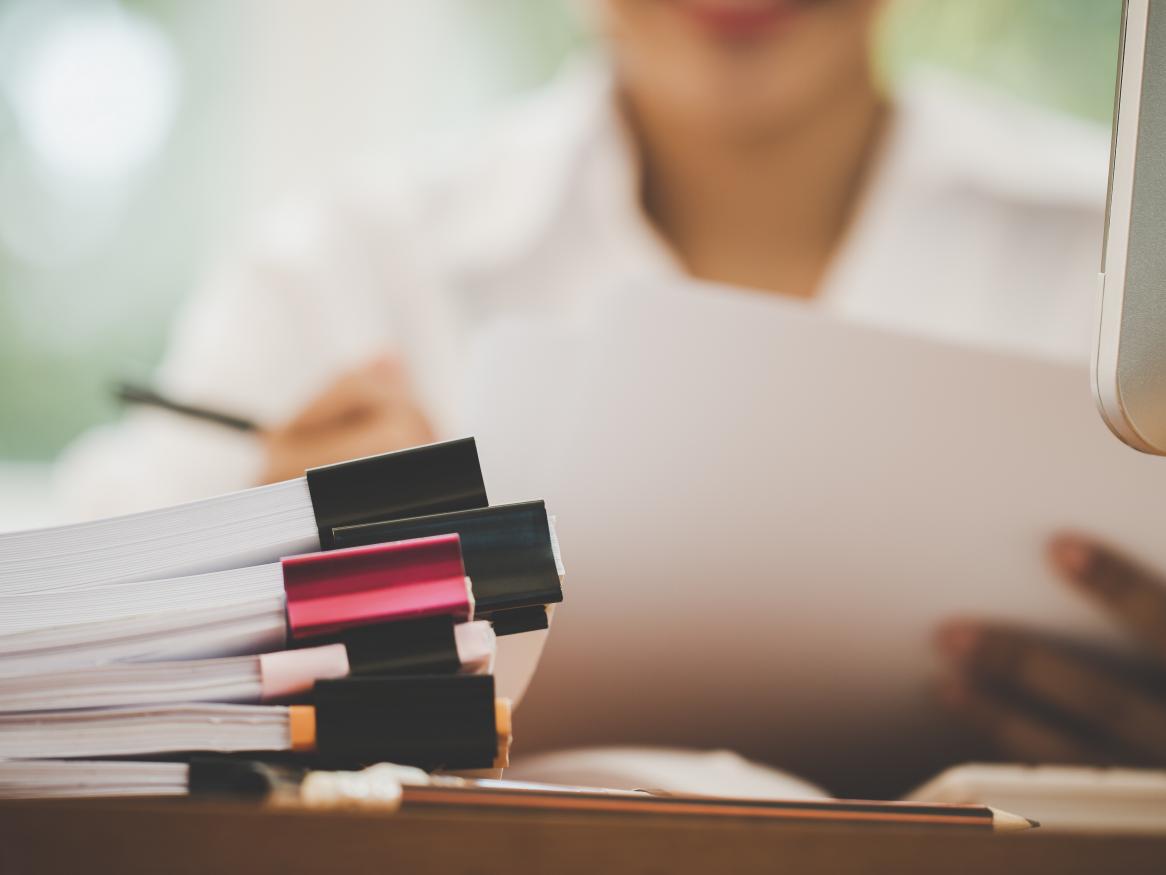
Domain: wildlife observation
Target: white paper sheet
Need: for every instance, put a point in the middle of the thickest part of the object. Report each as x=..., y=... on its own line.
x=765, y=513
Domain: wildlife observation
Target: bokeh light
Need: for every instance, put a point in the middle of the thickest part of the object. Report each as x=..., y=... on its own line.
x=93, y=91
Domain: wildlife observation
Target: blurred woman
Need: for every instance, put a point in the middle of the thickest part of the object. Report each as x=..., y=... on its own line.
x=740, y=141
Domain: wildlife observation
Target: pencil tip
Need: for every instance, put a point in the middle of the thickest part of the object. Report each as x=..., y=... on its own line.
x=1032, y=823
x=1004, y=821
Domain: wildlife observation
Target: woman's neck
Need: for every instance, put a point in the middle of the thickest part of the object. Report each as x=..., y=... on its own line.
x=766, y=211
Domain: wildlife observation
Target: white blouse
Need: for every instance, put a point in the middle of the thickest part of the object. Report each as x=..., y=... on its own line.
x=982, y=225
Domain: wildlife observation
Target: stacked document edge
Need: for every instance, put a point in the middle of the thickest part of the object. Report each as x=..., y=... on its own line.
x=221, y=626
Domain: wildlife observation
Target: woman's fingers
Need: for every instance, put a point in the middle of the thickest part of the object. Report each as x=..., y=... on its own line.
x=1033, y=669
x=363, y=391
x=290, y=452
x=1132, y=593
x=1016, y=734
x=366, y=411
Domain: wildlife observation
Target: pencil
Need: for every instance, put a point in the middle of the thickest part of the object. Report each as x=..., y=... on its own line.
x=395, y=787
x=128, y=393
x=838, y=811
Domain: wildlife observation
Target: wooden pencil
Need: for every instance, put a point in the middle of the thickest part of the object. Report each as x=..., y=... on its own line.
x=975, y=817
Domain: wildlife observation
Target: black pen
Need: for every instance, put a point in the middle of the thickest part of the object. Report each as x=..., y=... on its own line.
x=128, y=393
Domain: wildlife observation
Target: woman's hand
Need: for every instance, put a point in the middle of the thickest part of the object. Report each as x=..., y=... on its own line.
x=366, y=411
x=1040, y=700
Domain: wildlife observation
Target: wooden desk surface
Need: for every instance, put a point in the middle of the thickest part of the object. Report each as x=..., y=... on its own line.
x=129, y=836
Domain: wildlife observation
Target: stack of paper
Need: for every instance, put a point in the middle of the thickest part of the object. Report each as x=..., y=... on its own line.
x=347, y=617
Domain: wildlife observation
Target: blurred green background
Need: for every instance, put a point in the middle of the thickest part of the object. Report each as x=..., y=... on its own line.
x=101, y=234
